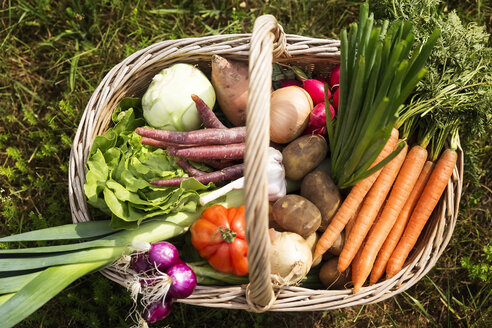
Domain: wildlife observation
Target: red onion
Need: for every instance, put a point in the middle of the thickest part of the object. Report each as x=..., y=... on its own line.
x=140, y=263
x=164, y=255
x=288, y=83
x=158, y=311
x=335, y=99
x=184, y=281
x=316, y=90
x=335, y=76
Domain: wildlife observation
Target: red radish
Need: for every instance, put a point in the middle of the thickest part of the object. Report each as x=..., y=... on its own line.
x=335, y=99
x=316, y=90
x=335, y=77
x=288, y=83
x=322, y=79
x=317, y=119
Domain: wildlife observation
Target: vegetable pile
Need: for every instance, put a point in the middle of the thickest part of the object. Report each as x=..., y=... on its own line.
x=351, y=182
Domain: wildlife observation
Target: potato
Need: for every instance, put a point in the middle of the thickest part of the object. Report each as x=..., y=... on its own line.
x=312, y=240
x=296, y=214
x=320, y=189
x=331, y=278
x=303, y=154
x=337, y=246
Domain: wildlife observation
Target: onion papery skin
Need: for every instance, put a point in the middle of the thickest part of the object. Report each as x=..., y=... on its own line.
x=289, y=113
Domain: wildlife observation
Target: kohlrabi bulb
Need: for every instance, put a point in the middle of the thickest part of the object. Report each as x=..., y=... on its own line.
x=167, y=103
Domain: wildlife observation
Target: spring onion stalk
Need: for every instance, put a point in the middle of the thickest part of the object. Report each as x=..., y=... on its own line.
x=379, y=69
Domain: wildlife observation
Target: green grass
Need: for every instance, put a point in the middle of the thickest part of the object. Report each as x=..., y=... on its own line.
x=52, y=56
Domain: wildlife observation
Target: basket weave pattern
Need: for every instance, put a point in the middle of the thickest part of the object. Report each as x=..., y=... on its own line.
x=267, y=43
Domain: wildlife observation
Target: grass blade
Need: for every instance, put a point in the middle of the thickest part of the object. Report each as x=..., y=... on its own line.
x=69, y=231
x=41, y=289
x=16, y=283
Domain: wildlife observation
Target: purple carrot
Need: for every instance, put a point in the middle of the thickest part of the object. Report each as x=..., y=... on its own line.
x=232, y=151
x=159, y=144
x=217, y=163
x=197, y=137
x=190, y=169
x=229, y=173
x=206, y=114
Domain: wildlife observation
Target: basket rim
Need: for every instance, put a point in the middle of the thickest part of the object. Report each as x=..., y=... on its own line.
x=289, y=298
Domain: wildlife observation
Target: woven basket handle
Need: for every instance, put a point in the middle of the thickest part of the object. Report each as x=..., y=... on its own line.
x=266, y=32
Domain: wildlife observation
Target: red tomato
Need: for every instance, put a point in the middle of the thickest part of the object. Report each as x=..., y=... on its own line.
x=219, y=236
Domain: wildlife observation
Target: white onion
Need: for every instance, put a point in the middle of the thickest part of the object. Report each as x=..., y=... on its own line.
x=290, y=257
x=289, y=113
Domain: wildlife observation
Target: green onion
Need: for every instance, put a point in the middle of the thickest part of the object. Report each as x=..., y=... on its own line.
x=379, y=68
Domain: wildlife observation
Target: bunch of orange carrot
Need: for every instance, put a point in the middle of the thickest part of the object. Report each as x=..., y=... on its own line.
x=384, y=214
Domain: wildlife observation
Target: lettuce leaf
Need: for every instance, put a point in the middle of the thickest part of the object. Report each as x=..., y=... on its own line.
x=119, y=169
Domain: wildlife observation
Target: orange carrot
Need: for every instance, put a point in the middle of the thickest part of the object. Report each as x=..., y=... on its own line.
x=356, y=262
x=372, y=204
x=350, y=223
x=400, y=224
x=428, y=200
x=353, y=200
x=407, y=177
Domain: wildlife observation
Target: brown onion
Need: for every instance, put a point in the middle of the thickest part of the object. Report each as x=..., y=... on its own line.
x=289, y=113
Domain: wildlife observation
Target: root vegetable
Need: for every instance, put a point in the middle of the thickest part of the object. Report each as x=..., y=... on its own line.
x=223, y=152
x=197, y=137
x=190, y=169
x=206, y=114
x=163, y=255
x=330, y=277
x=335, y=77
x=227, y=174
x=370, y=208
x=217, y=163
x=290, y=257
x=159, y=144
x=288, y=83
x=335, y=99
x=337, y=246
x=320, y=189
x=353, y=200
x=158, y=311
x=303, y=154
x=433, y=190
x=311, y=240
x=316, y=90
x=289, y=113
x=296, y=214
x=230, y=80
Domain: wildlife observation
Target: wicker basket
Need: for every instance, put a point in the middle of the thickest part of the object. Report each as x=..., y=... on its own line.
x=267, y=43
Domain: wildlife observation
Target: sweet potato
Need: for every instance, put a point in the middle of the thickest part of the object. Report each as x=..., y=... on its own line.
x=230, y=80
